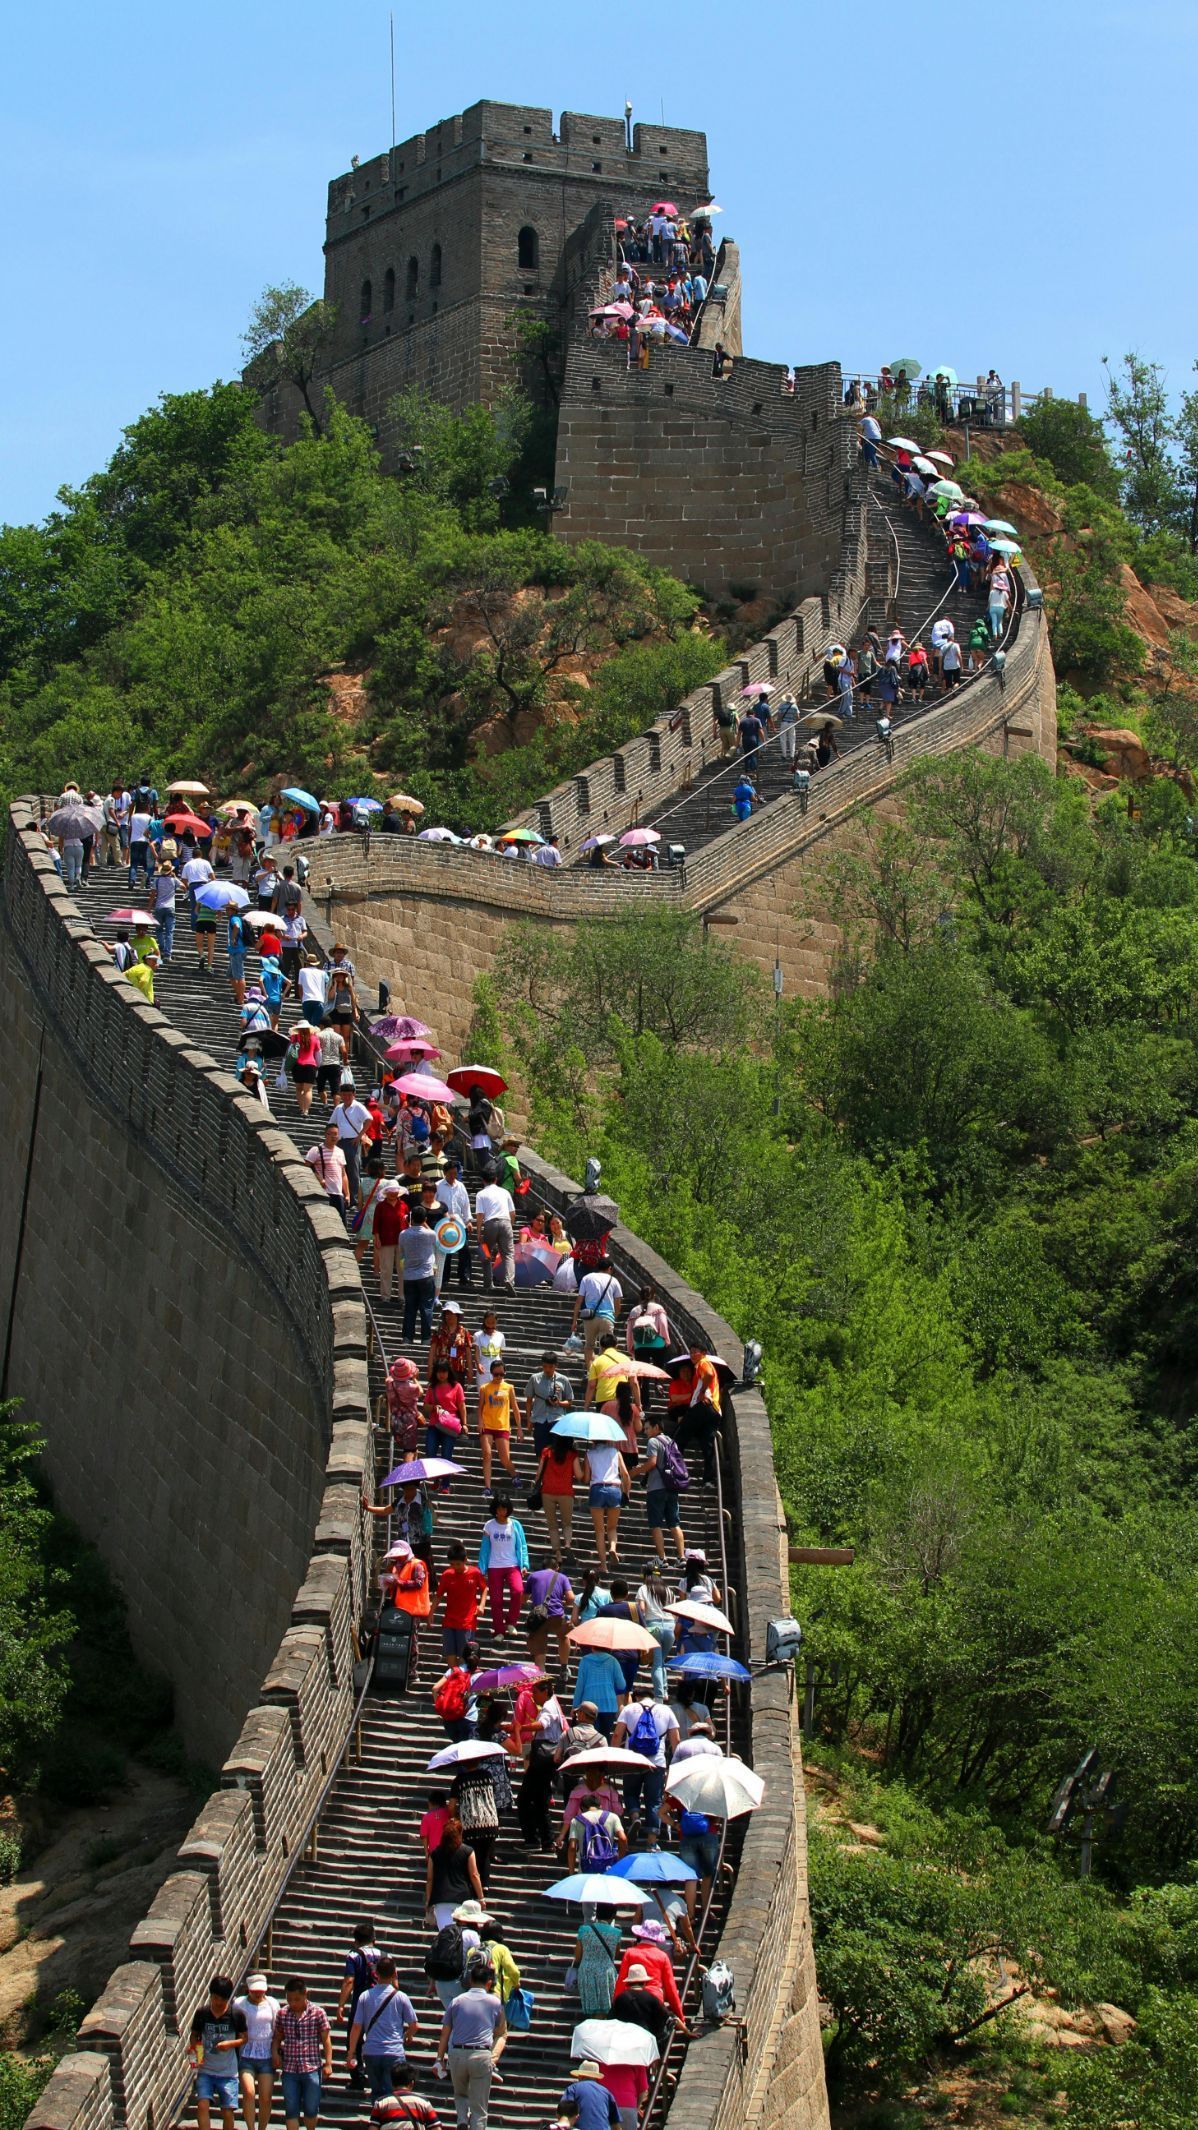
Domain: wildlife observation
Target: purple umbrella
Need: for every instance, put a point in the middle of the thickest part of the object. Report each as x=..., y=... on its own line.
x=400, y=1028
x=489, y=1682
x=422, y=1468
x=596, y=843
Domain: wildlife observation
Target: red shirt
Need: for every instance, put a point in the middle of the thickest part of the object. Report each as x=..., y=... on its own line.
x=390, y=1218
x=269, y=942
x=463, y=1590
x=660, y=1970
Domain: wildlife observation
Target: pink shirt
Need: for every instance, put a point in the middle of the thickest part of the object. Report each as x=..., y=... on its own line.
x=329, y=1164
x=580, y=1796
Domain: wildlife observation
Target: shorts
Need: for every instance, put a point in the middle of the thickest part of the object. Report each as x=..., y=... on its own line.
x=301, y=2094
x=661, y=1509
x=222, y=2090
x=305, y=1075
x=343, y=1015
x=258, y=2066
x=237, y=965
x=701, y=1852
x=205, y=921
x=604, y=1497
x=313, y=1011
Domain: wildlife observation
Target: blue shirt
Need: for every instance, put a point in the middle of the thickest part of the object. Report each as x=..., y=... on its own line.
x=601, y=1680
x=596, y=2108
x=386, y=2035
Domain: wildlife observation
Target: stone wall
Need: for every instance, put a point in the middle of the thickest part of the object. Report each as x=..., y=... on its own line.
x=725, y=481
x=188, y=1331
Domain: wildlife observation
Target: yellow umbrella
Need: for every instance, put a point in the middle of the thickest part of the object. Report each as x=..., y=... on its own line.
x=237, y=806
x=406, y=803
x=187, y=789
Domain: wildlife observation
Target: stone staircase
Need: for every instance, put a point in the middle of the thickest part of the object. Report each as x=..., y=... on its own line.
x=369, y=1860
x=923, y=578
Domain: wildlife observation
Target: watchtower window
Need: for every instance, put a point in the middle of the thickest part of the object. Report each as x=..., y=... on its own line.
x=528, y=250
x=389, y=289
x=366, y=302
x=412, y=281
x=596, y=166
x=434, y=268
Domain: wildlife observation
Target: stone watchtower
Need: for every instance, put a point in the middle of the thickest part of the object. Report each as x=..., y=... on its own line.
x=430, y=248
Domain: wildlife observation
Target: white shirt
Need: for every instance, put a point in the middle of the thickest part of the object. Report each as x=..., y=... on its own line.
x=259, y=2026
x=488, y=1345
x=196, y=871
x=951, y=656
x=941, y=632
x=503, y=1542
x=139, y=828
x=327, y=824
x=494, y=1203
x=600, y=1292
x=329, y=1164
x=454, y=1197
x=871, y=429
x=663, y=1722
x=314, y=984
x=602, y=1467
x=350, y=1119
x=548, y=854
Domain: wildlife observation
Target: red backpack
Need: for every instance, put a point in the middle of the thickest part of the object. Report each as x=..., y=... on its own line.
x=451, y=1697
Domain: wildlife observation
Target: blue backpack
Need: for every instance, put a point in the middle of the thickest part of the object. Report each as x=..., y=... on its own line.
x=599, y=1848
x=644, y=1737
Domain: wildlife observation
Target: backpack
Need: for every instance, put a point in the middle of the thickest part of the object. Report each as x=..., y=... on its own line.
x=719, y=1991
x=693, y=1824
x=444, y=1960
x=644, y=1737
x=599, y=1848
x=672, y=1465
x=588, y=1256
x=364, y=1976
x=452, y=1696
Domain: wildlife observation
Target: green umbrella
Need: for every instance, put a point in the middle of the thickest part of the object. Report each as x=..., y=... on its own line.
x=943, y=370
x=909, y=364
x=1005, y=547
x=946, y=488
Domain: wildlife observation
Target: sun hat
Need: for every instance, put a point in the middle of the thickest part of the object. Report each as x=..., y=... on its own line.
x=256, y=1982
x=654, y=1931
x=472, y=1912
x=637, y=1973
x=587, y=2070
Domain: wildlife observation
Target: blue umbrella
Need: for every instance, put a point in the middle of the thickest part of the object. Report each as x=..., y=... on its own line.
x=588, y=1427
x=301, y=798
x=373, y=806
x=221, y=895
x=652, y=1867
x=709, y=1664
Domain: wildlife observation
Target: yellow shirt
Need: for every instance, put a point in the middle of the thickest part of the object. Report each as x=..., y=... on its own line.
x=606, y=1370
x=495, y=1408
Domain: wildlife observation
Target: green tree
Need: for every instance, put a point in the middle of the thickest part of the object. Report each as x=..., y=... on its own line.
x=1138, y=411
x=1067, y=437
x=1149, y=2082
x=286, y=341
x=34, y=1629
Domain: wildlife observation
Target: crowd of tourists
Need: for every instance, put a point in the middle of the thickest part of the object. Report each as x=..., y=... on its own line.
x=572, y=1692
x=663, y=273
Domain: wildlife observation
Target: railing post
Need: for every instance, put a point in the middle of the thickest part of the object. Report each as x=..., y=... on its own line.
x=1016, y=400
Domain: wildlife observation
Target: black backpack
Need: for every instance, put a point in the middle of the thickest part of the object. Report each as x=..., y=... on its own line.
x=444, y=1960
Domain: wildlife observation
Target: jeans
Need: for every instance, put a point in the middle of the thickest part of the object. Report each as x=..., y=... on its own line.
x=166, y=933
x=663, y=1634
x=301, y=2095
x=470, y=2072
x=352, y=1149
x=647, y=1788
x=506, y=1586
x=998, y=615
x=869, y=451
x=141, y=860
x=72, y=864
x=378, y=2072
x=418, y=1298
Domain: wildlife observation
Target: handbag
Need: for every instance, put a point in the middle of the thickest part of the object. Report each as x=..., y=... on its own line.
x=570, y=1980
x=518, y=2010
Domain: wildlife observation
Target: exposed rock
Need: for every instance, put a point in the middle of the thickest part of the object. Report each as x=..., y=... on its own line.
x=1053, y=2026
x=1026, y=508
x=1143, y=613
x=868, y=1836
x=1178, y=612
x=1117, y=2025
x=347, y=696
x=1124, y=752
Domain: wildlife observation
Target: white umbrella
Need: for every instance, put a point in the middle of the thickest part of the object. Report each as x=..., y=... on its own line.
x=188, y=788
x=705, y=1615
x=612, y=2041
x=436, y=835
x=902, y=443
x=725, y=1788
x=597, y=1886
x=452, y=1756
x=611, y=1756
x=942, y=458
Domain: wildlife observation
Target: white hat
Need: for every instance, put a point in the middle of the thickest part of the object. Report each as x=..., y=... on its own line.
x=256, y=1982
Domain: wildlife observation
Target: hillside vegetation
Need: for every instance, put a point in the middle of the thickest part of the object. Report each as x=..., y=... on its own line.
x=216, y=604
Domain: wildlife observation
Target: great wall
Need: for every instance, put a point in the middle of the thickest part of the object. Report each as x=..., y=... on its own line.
x=249, y=1354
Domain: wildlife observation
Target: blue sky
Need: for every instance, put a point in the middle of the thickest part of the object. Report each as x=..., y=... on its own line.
x=975, y=186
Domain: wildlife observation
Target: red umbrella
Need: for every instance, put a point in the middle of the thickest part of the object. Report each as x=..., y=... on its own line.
x=192, y=821
x=663, y=207
x=465, y=1078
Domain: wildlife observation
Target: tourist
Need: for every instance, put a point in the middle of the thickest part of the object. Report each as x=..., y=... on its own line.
x=651, y=1601
x=162, y=906
x=503, y=1559
x=141, y=856
x=451, y=1875
x=595, y=1837
x=418, y=1251
x=306, y=1044
x=313, y=988
x=550, y=1597
x=597, y=1304
x=303, y=2053
x=750, y=731
x=217, y=2032
x=649, y=1954
x=473, y=2039
x=536, y=1790
x=549, y=1395
x=703, y=1418
x=452, y=1343
x=646, y=1726
x=596, y=1958
x=383, y=2029
x=359, y=1973
x=608, y=1482
x=788, y=715
x=453, y=1697
x=351, y=1118
x=400, y=2105
x=461, y=1589
x=558, y=1468
x=453, y=1199
x=661, y=1468
x=744, y=797
x=332, y=1061
x=998, y=599
x=549, y=854
x=260, y=2011
x=599, y=1682
x=445, y=1415
x=328, y=1161
x=496, y=1210
x=586, y=2102
x=640, y=2004
x=498, y=1408
x=390, y=1220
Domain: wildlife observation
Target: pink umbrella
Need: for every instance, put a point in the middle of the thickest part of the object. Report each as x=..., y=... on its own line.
x=645, y=1371
x=423, y=1086
x=664, y=207
x=130, y=917
x=411, y=1046
x=614, y=310
x=637, y=838
x=967, y=517
x=758, y=687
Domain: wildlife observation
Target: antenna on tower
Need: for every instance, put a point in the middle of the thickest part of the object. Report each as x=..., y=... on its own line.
x=392, y=22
